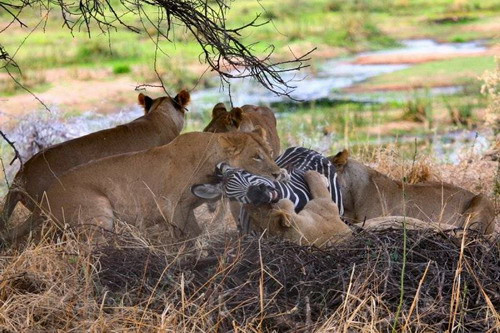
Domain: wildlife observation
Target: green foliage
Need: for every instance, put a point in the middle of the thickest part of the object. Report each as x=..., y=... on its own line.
x=121, y=69
x=458, y=39
x=458, y=71
x=352, y=25
x=461, y=114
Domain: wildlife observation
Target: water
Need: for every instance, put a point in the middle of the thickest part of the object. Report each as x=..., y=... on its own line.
x=332, y=76
x=43, y=129
x=40, y=130
x=425, y=46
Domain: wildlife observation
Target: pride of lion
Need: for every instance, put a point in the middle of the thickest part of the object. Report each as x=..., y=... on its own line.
x=142, y=172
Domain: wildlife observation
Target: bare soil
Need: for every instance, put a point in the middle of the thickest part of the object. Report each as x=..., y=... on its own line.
x=409, y=58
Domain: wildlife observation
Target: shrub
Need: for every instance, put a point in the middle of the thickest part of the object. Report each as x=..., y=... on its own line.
x=121, y=69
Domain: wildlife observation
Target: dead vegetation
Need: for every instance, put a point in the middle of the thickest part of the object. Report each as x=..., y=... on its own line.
x=224, y=283
x=254, y=284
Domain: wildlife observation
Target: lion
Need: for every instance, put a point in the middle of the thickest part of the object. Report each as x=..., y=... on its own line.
x=367, y=196
x=319, y=223
x=245, y=119
x=162, y=122
x=149, y=187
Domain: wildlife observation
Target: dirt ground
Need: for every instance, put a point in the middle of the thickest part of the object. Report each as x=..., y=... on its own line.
x=395, y=59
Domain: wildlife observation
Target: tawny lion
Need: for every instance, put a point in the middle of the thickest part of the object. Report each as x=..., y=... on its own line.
x=162, y=122
x=319, y=223
x=245, y=119
x=150, y=187
x=367, y=196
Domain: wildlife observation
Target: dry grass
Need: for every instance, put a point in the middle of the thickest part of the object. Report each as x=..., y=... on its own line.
x=224, y=283
x=253, y=284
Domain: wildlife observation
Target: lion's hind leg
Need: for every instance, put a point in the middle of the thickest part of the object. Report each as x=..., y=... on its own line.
x=89, y=214
x=480, y=215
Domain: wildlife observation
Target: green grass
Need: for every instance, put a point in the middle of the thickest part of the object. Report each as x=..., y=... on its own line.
x=121, y=69
x=352, y=26
x=455, y=71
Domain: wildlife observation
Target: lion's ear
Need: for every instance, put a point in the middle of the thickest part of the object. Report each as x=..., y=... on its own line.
x=182, y=99
x=260, y=132
x=340, y=160
x=231, y=144
x=219, y=110
x=236, y=117
x=145, y=101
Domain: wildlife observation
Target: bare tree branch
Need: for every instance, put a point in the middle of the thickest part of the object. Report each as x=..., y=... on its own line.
x=223, y=48
x=16, y=152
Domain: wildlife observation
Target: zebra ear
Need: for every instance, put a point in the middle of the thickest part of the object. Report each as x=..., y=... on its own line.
x=210, y=192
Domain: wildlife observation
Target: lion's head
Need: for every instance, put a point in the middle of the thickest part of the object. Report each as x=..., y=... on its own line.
x=174, y=108
x=251, y=152
x=224, y=121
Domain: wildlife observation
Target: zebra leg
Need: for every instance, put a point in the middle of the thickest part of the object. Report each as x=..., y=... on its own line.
x=244, y=221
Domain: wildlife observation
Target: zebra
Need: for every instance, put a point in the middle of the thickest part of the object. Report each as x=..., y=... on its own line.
x=239, y=185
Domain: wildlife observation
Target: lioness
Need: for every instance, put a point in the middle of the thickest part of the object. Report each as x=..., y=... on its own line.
x=368, y=194
x=319, y=223
x=162, y=122
x=245, y=119
x=151, y=186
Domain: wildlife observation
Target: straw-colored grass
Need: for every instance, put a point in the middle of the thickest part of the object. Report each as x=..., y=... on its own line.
x=220, y=282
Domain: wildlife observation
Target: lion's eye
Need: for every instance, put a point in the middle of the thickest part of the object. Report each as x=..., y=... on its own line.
x=258, y=157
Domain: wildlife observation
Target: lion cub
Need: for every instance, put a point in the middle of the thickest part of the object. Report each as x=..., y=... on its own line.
x=245, y=119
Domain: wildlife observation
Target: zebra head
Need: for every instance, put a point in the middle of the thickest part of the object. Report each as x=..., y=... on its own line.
x=261, y=194
x=237, y=185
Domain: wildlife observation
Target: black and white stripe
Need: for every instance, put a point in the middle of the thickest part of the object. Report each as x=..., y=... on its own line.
x=242, y=186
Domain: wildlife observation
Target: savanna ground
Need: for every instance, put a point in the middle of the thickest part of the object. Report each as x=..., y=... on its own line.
x=388, y=280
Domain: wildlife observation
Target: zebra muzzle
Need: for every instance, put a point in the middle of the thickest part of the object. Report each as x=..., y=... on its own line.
x=274, y=196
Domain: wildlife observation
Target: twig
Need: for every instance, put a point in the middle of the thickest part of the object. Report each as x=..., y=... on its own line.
x=402, y=279
x=222, y=48
x=416, y=297
x=4, y=173
x=16, y=152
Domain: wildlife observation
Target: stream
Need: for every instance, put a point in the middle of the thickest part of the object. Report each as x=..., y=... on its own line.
x=333, y=75
x=39, y=130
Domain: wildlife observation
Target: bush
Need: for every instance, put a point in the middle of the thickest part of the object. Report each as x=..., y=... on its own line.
x=121, y=69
